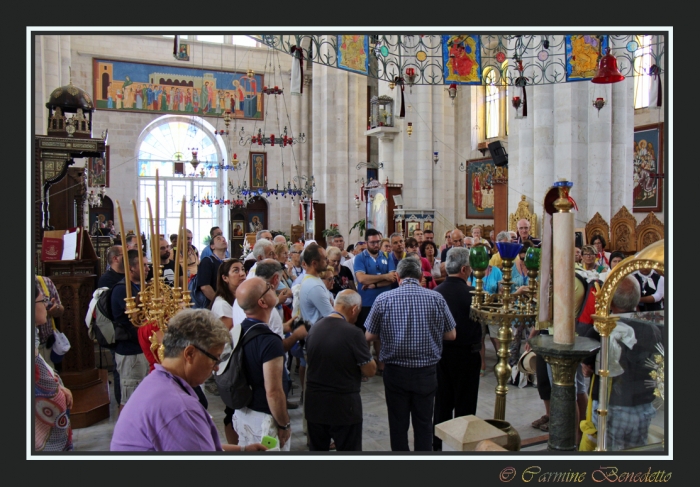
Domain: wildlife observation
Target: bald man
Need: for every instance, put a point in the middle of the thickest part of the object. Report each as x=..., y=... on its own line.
x=337, y=357
x=264, y=361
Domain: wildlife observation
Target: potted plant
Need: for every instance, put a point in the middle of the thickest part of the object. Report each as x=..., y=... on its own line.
x=360, y=225
x=332, y=231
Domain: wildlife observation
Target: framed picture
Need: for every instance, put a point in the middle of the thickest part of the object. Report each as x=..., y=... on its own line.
x=647, y=193
x=238, y=228
x=480, y=176
x=256, y=221
x=98, y=170
x=258, y=170
x=412, y=227
x=181, y=90
x=427, y=226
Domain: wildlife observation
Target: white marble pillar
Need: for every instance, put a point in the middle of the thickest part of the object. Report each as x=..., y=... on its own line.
x=340, y=143
x=543, y=173
x=622, y=147
x=570, y=141
x=599, y=151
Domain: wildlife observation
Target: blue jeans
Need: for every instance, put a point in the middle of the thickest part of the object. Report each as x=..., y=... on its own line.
x=410, y=394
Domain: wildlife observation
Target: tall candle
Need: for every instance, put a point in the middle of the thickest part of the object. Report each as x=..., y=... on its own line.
x=125, y=256
x=563, y=320
x=154, y=253
x=179, y=244
x=138, y=237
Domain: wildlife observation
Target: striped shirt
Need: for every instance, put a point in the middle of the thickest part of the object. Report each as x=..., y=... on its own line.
x=410, y=322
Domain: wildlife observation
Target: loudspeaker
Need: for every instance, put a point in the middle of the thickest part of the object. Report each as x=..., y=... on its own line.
x=498, y=153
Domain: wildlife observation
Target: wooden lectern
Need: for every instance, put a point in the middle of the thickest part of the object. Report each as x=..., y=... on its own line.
x=75, y=282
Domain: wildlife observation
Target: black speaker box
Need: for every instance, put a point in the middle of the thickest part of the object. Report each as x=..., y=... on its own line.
x=498, y=153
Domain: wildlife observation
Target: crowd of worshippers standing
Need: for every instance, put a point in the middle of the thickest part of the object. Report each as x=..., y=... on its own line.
x=394, y=307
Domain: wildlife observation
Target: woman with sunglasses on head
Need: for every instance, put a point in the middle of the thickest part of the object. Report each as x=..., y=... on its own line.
x=590, y=269
x=164, y=414
x=231, y=274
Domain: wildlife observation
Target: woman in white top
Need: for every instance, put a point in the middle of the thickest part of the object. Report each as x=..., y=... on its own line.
x=231, y=275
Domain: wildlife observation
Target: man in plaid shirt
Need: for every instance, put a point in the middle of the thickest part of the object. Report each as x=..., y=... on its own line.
x=411, y=322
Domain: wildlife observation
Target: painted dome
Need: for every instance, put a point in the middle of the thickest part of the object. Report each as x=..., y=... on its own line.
x=69, y=98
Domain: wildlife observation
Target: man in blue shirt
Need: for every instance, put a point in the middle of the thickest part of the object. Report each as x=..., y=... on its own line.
x=213, y=233
x=411, y=322
x=375, y=273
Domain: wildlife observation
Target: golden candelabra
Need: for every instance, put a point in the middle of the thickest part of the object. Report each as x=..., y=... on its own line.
x=156, y=301
x=503, y=308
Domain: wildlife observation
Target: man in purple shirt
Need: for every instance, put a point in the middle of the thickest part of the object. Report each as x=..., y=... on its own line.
x=164, y=413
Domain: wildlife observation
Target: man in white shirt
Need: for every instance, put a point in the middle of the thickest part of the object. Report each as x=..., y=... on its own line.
x=263, y=249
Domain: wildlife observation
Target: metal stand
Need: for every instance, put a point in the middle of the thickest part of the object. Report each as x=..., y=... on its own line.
x=564, y=360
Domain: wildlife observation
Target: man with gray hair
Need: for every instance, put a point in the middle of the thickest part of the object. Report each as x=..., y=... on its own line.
x=496, y=260
x=412, y=323
x=263, y=249
x=250, y=258
x=630, y=408
x=279, y=239
x=338, y=357
x=458, y=369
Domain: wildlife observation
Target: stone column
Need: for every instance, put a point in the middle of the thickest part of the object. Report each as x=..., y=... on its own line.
x=564, y=360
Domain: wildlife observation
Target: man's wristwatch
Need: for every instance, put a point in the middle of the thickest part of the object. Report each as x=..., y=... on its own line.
x=285, y=427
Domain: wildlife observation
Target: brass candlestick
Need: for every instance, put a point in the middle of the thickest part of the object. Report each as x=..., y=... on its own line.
x=501, y=309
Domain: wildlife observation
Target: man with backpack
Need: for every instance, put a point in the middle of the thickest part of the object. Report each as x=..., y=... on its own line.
x=130, y=360
x=114, y=274
x=263, y=363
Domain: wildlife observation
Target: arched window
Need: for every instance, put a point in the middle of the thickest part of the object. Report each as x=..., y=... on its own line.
x=492, y=111
x=495, y=102
x=169, y=142
x=643, y=60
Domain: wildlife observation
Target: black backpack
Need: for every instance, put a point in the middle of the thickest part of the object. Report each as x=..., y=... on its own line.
x=234, y=389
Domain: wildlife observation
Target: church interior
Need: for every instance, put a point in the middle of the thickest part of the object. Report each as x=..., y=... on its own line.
x=310, y=135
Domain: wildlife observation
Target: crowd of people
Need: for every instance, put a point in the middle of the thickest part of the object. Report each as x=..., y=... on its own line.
x=390, y=306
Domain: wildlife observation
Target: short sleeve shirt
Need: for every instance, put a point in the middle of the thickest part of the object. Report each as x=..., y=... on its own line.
x=164, y=414
x=410, y=322
x=259, y=350
x=364, y=262
x=335, y=351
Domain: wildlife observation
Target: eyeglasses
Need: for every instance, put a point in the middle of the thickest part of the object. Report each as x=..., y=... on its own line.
x=45, y=301
x=588, y=255
x=223, y=357
x=294, y=252
x=269, y=288
x=372, y=242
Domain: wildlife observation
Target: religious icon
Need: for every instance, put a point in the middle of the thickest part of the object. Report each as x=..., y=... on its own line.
x=258, y=170
x=238, y=228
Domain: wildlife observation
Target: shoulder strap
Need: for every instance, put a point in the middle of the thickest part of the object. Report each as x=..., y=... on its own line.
x=45, y=290
x=253, y=331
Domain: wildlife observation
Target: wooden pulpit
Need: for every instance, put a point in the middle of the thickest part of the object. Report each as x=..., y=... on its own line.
x=75, y=282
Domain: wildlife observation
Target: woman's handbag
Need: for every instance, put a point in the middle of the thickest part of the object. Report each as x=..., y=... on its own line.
x=61, y=344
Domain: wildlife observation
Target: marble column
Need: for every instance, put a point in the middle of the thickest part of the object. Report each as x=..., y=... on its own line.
x=339, y=113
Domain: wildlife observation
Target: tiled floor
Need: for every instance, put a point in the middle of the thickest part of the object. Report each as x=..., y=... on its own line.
x=522, y=407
